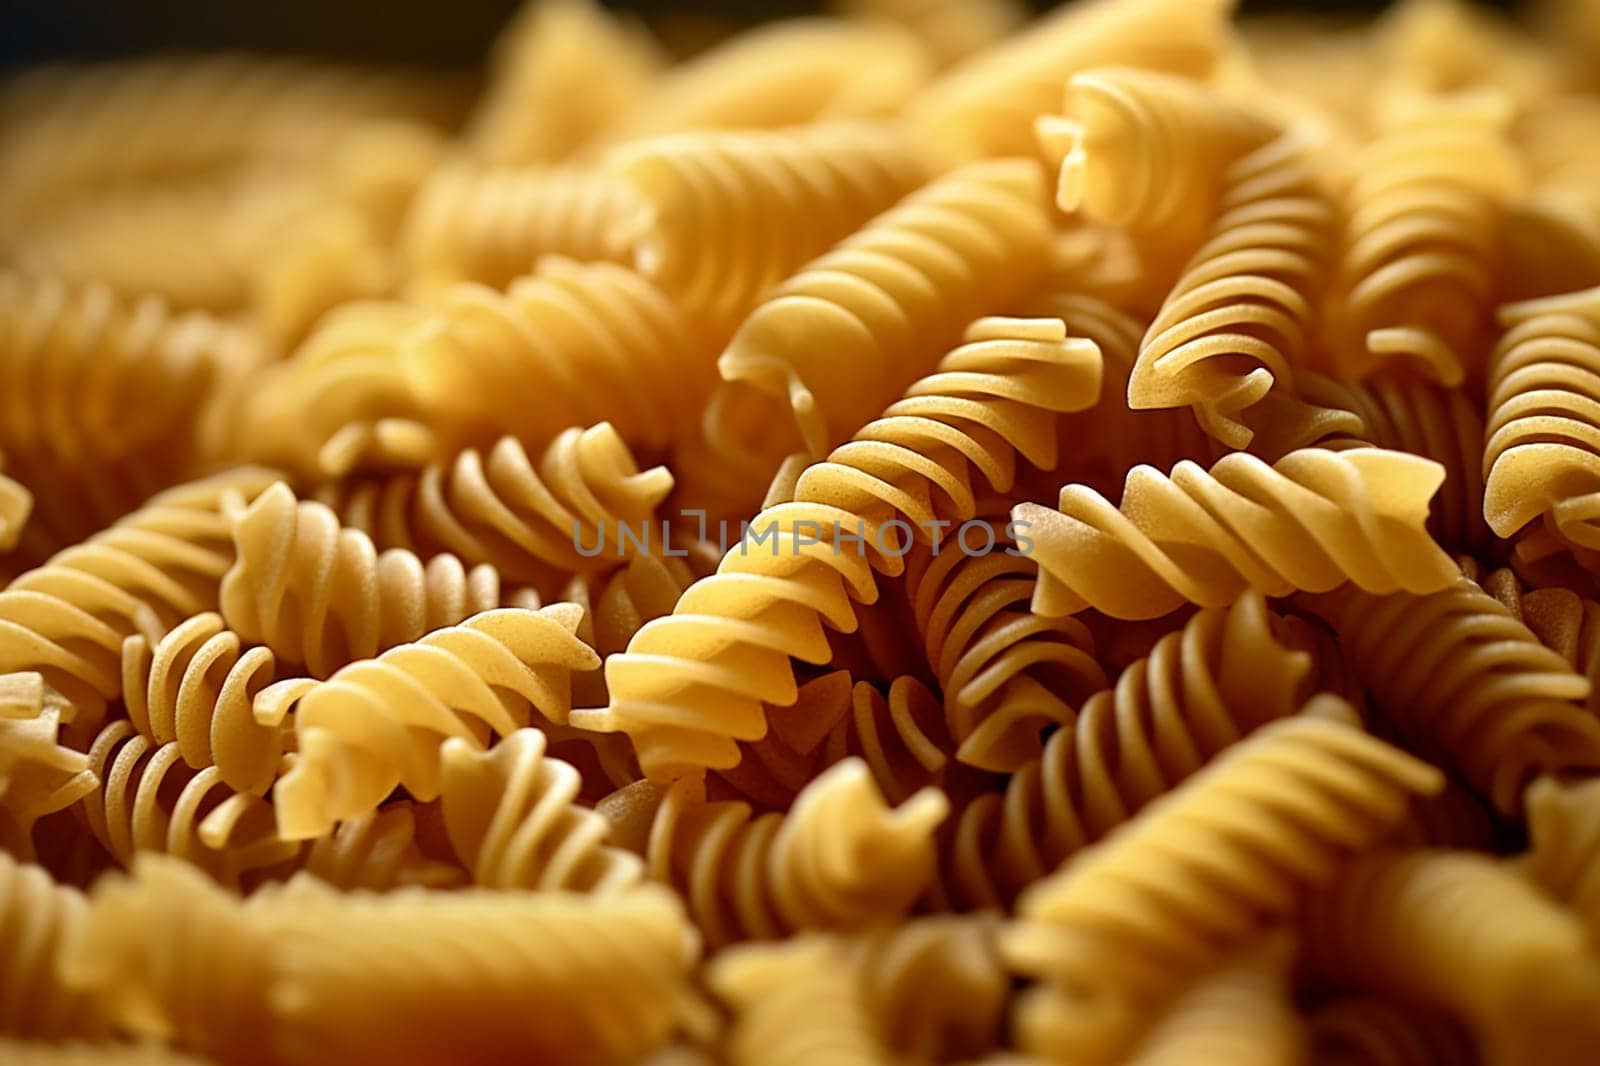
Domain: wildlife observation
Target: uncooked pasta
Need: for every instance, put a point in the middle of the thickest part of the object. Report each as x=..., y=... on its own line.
x=907, y=534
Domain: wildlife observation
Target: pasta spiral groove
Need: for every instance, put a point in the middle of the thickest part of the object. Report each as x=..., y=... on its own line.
x=380, y=723
x=1461, y=677
x=36, y=916
x=319, y=593
x=1311, y=521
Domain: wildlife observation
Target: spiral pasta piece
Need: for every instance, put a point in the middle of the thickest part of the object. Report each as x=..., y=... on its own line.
x=544, y=101
x=1461, y=678
x=319, y=593
x=1147, y=150
x=493, y=224
x=1201, y=689
x=730, y=215
x=1366, y=1029
x=1410, y=413
x=448, y=969
x=903, y=736
x=162, y=563
x=1312, y=521
x=381, y=722
x=1168, y=895
x=377, y=851
x=535, y=520
x=36, y=916
x=513, y=818
x=693, y=684
x=990, y=402
x=197, y=687
x=797, y=1002
x=986, y=105
x=1463, y=934
x=39, y=774
x=1542, y=455
x=148, y=800
x=839, y=859
x=791, y=74
x=938, y=986
x=1006, y=673
x=106, y=401
x=1243, y=311
x=648, y=588
x=1422, y=226
x=858, y=325
x=1564, y=845
x=1240, y=1013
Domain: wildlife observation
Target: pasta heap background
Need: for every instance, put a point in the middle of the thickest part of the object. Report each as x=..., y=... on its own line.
x=1174, y=632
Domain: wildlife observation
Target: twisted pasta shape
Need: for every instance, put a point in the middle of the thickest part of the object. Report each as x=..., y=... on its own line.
x=493, y=224
x=938, y=986
x=796, y=1003
x=197, y=687
x=592, y=342
x=1165, y=897
x=39, y=775
x=544, y=101
x=1386, y=1033
x=16, y=504
x=693, y=684
x=533, y=520
x=903, y=737
x=318, y=593
x=449, y=969
x=455, y=972
x=377, y=851
x=512, y=816
x=839, y=859
x=856, y=326
x=1460, y=932
x=380, y=723
x=1241, y=1012
x=1313, y=520
x=1460, y=677
x=791, y=73
x=1147, y=150
x=1242, y=312
x=1407, y=412
x=1564, y=845
x=105, y=400
x=986, y=105
x=159, y=565
x=1006, y=673
x=1201, y=689
x=644, y=590
x=1542, y=455
x=1421, y=231
x=36, y=916
x=991, y=401
x=730, y=215
x=148, y=800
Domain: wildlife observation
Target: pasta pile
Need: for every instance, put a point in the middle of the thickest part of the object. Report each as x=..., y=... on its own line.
x=900, y=536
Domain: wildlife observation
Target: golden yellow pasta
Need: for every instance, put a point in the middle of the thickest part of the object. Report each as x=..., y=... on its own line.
x=728, y=216
x=1461, y=933
x=535, y=519
x=1201, y=689
x=493, y=224
x=1465, y=681
x=1311, y=521
x=839, y=859
x=904, y=535
x=381, y=722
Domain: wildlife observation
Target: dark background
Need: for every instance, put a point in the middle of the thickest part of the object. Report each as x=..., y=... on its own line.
x=451, y=33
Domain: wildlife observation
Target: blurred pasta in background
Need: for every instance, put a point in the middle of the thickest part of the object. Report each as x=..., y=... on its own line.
x=910, y=534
